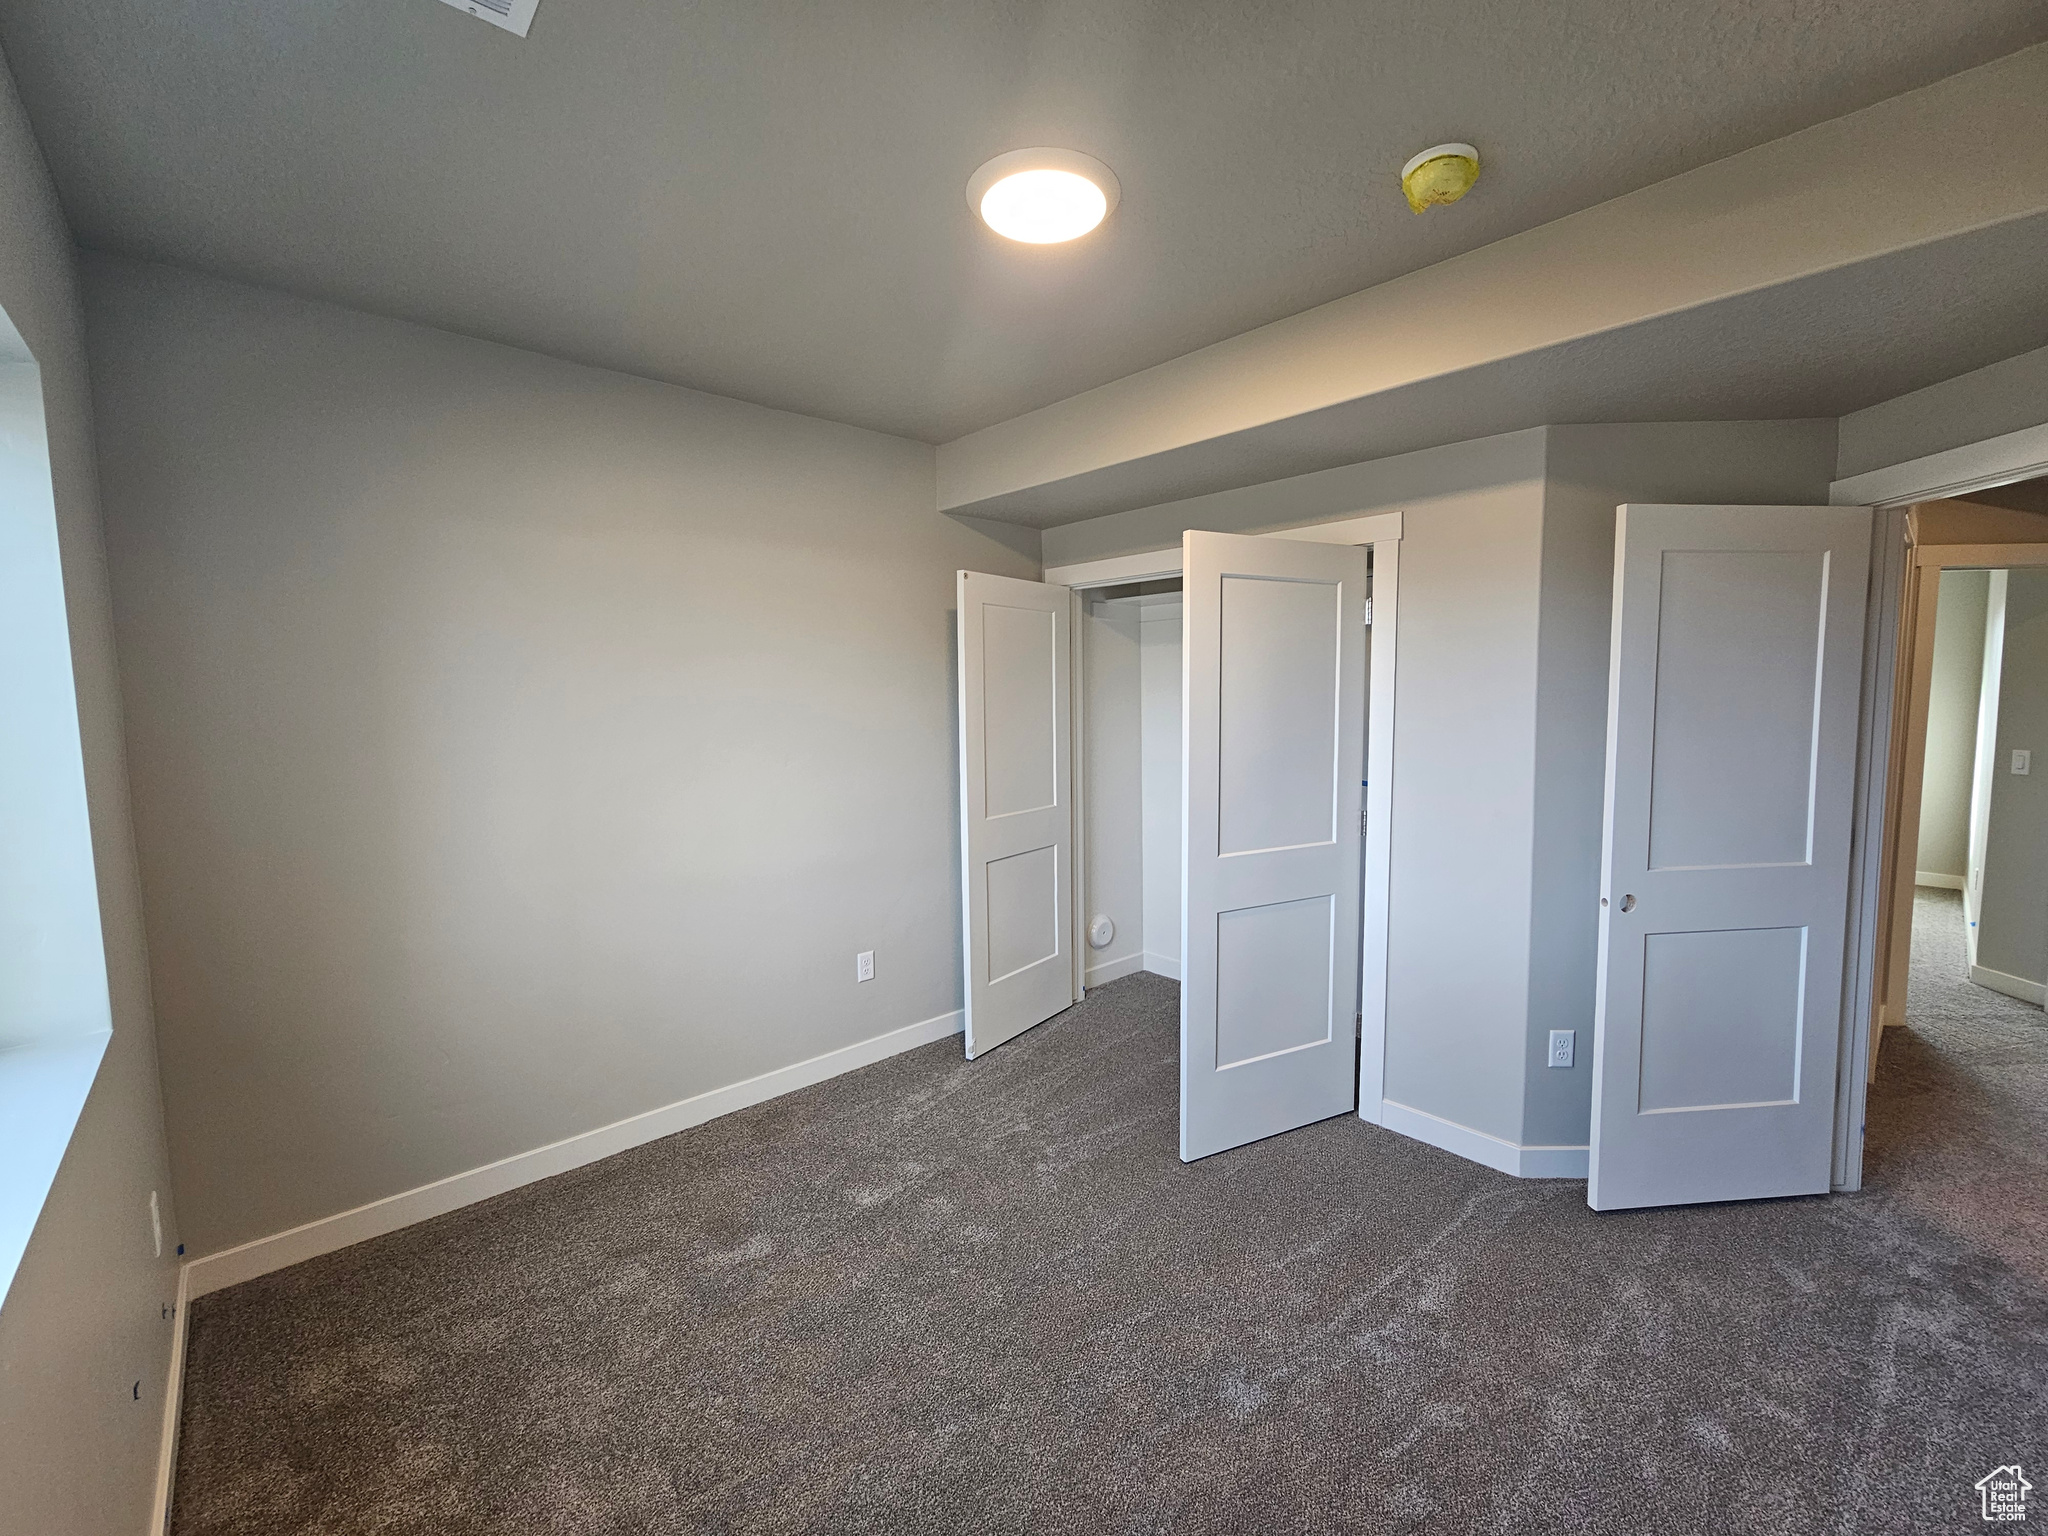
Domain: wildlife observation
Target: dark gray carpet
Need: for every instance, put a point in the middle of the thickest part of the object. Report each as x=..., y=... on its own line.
x=1957, y=1130
x=944, y=1297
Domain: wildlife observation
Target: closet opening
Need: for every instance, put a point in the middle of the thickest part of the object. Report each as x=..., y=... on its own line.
x=1129, y=914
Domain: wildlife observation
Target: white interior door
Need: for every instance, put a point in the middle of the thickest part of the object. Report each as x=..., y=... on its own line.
x=1016, y=804
x=1273, y=732
x=1731, y=758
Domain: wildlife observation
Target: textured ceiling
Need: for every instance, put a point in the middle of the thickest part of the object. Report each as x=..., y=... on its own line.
x=764, y=198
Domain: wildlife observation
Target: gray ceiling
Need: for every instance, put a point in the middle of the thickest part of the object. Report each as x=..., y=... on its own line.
x=765, y=198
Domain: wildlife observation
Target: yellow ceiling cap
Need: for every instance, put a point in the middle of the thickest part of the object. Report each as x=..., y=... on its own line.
x=1440, y=175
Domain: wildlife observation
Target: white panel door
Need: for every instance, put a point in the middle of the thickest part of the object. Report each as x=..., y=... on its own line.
x=1016, y=804
x=1273, y=733
x=1731, y=761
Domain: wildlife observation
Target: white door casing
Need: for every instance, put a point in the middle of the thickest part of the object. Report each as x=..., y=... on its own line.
x=1273, y=728
x=1016, y=804
x=1733, y=699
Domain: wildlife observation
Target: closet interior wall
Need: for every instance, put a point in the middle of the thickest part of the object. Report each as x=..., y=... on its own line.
x=1130, y=803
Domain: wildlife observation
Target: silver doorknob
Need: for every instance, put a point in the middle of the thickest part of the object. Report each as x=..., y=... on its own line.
x=1628, y=903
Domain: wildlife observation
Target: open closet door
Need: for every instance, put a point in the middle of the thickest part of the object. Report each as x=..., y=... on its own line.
x=1731, y=760
x=1273, y=736
x=1016, y=804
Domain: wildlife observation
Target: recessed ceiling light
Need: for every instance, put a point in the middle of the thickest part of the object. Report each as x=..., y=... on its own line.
x=1043, y=196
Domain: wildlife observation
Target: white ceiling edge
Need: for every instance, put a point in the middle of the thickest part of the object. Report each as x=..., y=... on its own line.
x=1875, y=182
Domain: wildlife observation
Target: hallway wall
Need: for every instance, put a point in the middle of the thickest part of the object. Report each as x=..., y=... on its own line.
x=2012, y=915
x=1952, y=727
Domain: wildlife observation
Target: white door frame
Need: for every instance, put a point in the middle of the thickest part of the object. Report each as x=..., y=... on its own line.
x=1981, y=466
x=1383, y=532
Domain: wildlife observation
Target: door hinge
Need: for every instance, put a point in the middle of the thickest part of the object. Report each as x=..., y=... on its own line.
x=1358, y=1026
x=1361, y=823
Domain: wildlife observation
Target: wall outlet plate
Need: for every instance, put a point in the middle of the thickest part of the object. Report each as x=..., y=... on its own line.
x=1561, y=1043
x=864, y=965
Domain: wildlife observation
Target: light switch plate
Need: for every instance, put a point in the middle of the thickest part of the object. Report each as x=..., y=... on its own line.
x=2022, y=761
x=1561, y=1043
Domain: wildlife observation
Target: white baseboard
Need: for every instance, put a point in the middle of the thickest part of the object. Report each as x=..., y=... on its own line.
x=232, y=1266
x=1940, y=882
x=2012, y=986
x=1115, y=970
x=174, y=1401
x=1479, y=1147
x=1163, y=965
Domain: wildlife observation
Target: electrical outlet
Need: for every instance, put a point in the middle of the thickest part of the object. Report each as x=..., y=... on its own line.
x=1561, y=1041
x=864, y=965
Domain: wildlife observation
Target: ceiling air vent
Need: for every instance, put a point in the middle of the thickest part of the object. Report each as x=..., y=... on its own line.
x=514, y=16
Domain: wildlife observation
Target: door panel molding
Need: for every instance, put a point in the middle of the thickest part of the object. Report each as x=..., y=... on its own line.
x=1016, y=805
x=1734, y=703
x=1273, y=750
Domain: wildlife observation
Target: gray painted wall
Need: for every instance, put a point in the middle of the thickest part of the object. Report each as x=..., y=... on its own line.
x=2005, y=397
x=1159, y=665
x=2012, y=920
x=516, y=746
x=1112, y=795
x=1463, y=817
x=84, y=1320
x=1986, y=748
x=1952, y=724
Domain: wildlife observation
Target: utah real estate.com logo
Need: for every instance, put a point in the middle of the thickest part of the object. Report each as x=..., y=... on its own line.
x=2004, y=1492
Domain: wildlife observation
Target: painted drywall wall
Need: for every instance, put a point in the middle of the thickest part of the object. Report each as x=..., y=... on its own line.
x=1982, y=774
x=2007, y=396
x=84, y=1328
x=1463, y=818
x=516, y=746
x=1588, y=472
x=2012, y=921
x=1159, y=662
x=1958, y=668
x=1112, y=798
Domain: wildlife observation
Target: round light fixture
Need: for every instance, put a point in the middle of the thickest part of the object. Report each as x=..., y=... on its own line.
x=1043, y=196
